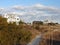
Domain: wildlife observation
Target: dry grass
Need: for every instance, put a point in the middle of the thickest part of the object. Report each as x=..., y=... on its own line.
x=53, y=33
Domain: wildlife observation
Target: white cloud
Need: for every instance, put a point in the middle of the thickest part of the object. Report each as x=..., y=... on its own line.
x=17, y=7
x=34, y=11
x=1, y=8
x=38, y=7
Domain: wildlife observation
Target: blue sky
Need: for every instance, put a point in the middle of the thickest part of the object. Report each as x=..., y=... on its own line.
x=31, y=10
x=8, y=3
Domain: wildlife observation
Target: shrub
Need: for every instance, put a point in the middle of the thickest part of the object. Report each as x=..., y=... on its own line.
x=51, y=23
x=12, y=34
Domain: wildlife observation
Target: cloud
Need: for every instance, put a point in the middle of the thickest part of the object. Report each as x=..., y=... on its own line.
x=17, y=7
x=37, y=8
x=33, y=12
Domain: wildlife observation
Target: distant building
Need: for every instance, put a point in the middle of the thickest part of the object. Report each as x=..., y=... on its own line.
x=12, y=18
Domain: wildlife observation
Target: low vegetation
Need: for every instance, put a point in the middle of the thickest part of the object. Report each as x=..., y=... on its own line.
x=50, y=32
x=12, y=34
x=52, y=36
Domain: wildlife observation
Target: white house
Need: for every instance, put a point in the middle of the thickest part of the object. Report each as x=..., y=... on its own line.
x=12, y=18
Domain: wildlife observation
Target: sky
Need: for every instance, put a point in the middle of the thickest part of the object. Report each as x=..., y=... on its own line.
x=8, y=3
x=30, y=10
